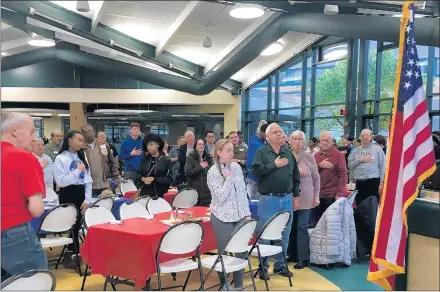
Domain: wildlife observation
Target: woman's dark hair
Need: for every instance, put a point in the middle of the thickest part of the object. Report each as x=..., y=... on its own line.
x=65, y=147
x=314, y=140
x=153, y=138
x=380, y=140
x=195, y=147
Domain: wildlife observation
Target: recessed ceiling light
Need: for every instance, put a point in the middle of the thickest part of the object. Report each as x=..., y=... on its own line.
x=336, y=53
x=331, y=9
x=246, y=11
x=273, y=49
x=3, y=53
x=41, y=42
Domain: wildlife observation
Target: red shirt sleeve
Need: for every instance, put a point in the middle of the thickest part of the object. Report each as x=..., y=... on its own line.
x=343, y=179
x=32, y=177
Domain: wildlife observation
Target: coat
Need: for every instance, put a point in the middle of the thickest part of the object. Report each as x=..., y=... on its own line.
x=196, y=176
x=162, y=176
x=365, y=220
x=334, y=238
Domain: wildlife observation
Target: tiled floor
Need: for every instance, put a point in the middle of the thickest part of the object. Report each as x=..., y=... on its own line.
x=314, y=278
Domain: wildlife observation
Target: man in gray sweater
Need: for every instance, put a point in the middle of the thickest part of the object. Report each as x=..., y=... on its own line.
x=367, y=164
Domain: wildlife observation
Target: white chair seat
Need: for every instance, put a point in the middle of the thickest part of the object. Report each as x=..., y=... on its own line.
x=55, y=241
x=266, y=250
x=232, y=264
x=178, y=265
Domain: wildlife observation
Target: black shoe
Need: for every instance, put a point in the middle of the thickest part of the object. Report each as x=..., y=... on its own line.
x=301, y=265
x=264, y=275
x=283, y=272
x=291, y=260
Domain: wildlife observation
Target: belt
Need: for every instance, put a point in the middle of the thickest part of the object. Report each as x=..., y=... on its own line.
x=276, y=194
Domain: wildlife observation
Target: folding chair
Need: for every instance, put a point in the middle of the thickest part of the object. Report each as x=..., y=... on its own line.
x=33, y=280
x=186, y=198
x=272, y=231
x=51, y=196
x=104, y=202
x=158, y=205
x=181, y=239
x=95, y=215
x=132, y=210
x=60, y=219
x=143, y=201
x=238, y=242
x=127, y=186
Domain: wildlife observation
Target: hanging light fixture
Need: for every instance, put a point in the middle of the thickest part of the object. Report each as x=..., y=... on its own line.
x=82, y=6
x=207, y=42
x=246, y=11
x=273, y=49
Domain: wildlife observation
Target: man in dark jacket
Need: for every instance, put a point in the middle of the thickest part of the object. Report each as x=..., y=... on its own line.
x=184, y=152
x=196, y=170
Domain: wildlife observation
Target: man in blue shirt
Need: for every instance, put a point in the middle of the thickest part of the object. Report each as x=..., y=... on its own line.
x=131, y=152
x=256, y=142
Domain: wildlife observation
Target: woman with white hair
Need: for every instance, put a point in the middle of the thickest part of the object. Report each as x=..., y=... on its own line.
x=308, y=199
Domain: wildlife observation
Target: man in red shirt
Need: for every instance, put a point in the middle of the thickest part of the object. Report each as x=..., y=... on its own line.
x=333, y=173
x=22, y=190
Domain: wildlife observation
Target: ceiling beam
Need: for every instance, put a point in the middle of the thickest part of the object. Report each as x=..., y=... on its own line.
x=243, y=38
x=286, y=56
x=13, y=44
x=97, y=15
x=165, y=40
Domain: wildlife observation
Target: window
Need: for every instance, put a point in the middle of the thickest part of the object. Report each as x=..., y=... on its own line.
x=435, y=103
x=309, y=79
x=160, y=130
x=436, y=83
x=289, y=126
x=384, y=125
x=385, y=106
x=331, y=79
x=328, y=111
x=334, y=126
x=290, y=86
x=388, y=73
x=422, y=51
x=273, y=85
x=371, y=77
x=39, y=130
x=435, y=123
x=258, y=96
x=288, y=114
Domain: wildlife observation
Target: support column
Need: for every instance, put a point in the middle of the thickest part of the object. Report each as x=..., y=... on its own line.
x=77, y=115
x=232, y=116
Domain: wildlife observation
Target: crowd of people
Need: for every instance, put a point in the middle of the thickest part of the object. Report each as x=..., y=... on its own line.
x=282, y=173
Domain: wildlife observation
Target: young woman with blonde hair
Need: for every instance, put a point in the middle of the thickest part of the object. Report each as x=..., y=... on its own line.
x=229, y=205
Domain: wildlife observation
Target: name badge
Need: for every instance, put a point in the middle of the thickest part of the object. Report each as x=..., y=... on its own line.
x=55, y=152
x=241, y=150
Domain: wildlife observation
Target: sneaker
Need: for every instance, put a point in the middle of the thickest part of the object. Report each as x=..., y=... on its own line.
x=264, y=275
x=283, y=272
x=301, y=265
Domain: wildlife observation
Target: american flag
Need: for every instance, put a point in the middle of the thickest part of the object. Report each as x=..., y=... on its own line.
x=410, y=159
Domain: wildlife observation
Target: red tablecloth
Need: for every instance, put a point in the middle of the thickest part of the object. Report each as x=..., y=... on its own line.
x=128, y=250
x=169, y=196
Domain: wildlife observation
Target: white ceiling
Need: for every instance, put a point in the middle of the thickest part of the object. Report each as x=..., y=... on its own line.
x=179, y=27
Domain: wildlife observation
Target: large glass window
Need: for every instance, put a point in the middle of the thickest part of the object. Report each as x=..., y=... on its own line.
x=384, y=125
x=435, y=122
x=371, y=77
x=258, y=96
x=331, y=79
x=388, y=73
x=333, y=125
x=290, y=126
x=436, y=83
x=290, y=86
x=309, y=80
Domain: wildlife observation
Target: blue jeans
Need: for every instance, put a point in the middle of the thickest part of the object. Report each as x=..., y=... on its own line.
x=21, y=251
x=302, y=234
x=268, y=206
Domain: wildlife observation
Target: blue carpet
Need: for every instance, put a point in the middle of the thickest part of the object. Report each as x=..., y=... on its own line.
x=351, y=278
